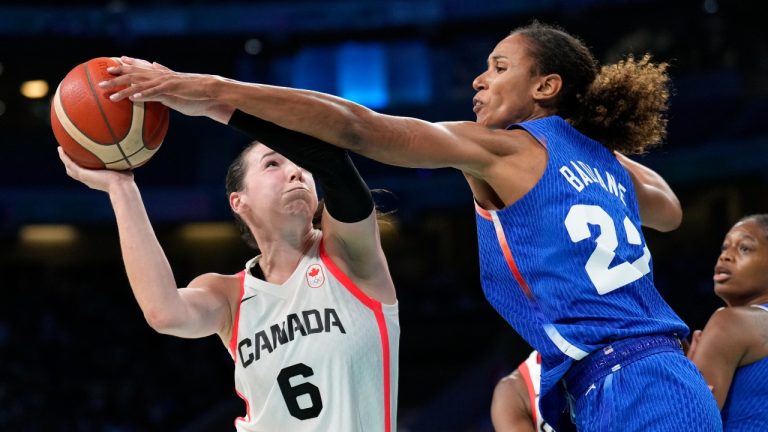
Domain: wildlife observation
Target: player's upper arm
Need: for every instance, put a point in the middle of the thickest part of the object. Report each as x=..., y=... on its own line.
x=720, y=350
x=411, y=142
x=207, y=307
x=510, y=408
x=356, y=249
x=659, y=206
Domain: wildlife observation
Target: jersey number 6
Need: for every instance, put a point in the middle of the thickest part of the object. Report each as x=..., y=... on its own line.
x=605, y=278
x=291, y=393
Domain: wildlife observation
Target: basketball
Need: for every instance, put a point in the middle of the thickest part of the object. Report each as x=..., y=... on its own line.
x=98, y=133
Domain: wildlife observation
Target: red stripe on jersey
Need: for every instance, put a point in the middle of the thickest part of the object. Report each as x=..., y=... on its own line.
x=247, y=417
x=508, y=256
x=236, y=322
x=375, y=306
x=526, y=374
x=485, y=214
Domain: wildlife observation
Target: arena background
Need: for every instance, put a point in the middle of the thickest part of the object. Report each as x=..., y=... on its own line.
x=75, y=352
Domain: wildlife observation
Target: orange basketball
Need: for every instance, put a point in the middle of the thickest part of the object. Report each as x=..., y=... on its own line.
x=98, y=133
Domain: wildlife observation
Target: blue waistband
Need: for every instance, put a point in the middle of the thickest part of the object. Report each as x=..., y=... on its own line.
x=612, y=357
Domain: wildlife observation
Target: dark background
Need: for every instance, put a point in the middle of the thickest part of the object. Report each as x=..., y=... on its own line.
x=75, y=352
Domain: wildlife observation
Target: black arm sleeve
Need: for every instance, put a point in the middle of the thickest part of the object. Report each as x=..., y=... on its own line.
x=347, y=197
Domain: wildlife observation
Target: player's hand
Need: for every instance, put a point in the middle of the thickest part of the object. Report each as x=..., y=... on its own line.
x=186, y=93
x=95, y=179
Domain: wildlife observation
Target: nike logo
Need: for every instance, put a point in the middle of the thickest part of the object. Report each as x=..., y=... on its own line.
x=248, y=298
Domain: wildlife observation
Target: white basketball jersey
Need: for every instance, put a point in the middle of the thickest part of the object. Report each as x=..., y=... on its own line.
x=315, y=353
x=530, y=370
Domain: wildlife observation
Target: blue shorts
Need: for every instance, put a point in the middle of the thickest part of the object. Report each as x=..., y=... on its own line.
x=640, y=384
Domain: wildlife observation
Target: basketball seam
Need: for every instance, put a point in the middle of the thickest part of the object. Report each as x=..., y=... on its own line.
x=155, y=133
x=142, y=150
x=74, y=125
x=85, y=142
x=63, y=112
x=104, y=116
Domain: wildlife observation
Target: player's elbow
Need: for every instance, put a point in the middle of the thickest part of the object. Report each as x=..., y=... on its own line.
x=673, y=217
x=675, y=220
x=160, y=320
x=659, y=209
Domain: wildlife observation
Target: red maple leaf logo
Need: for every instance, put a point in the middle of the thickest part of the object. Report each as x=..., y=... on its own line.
x=313, y=272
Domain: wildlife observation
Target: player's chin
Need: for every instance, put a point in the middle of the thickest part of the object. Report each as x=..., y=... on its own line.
x=725, y=289
x=300, y=208
x=487, y=121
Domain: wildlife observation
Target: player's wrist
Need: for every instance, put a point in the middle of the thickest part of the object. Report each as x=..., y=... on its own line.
x=121, y=184
x=220, y=112
x=215, y=87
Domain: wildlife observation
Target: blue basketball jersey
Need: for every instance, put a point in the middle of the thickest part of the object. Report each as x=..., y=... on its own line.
x=567, y=265
x=745, y=407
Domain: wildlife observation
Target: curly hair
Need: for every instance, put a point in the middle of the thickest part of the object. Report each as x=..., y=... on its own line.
x=622, y=105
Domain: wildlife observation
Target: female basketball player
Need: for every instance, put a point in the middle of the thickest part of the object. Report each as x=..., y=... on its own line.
x=562, y=255
x=312, y=321
x=731, y=351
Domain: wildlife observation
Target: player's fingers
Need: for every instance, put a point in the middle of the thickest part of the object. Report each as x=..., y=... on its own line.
x=63, y=156
x=149, y=91
x=69, y=166
x=134, y=70
x=129, y=89
x=119, y=69
x=141, y=97
x=122, y=94
x=118, y=81
x=157, y=65
x=134, y=61
x=140, y=63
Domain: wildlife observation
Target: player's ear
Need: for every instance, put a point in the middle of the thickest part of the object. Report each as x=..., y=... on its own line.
x=236, y=202
x=547, y=87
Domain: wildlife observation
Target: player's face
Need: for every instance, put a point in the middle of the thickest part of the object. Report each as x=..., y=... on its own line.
x=741, y=272
x=504, y=90
x=275, y=185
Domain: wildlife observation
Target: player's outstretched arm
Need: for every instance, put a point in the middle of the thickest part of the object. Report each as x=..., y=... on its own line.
x=196, y=313
x=659, y=207
x=402, y=141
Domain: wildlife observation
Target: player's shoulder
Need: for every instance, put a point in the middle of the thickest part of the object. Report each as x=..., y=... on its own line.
x=733, y=314
x=736, y=321
x=216, y=279
x=511, y=385
x=506, y=379
x=218, y=283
